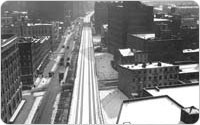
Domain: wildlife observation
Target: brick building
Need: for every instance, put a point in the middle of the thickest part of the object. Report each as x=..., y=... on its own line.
x=167, y=50
x=37, y=29
x=11, y=89
x=127, y=17
x=134, y=77
x=130, y=56
x=33, y=55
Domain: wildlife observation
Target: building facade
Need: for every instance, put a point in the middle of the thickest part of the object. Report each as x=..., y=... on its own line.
x=11, y=88
x=100, y=15
x=166, y=50
x=130, y=56
x=127, y=17
x=133, y=78
x=33, y=55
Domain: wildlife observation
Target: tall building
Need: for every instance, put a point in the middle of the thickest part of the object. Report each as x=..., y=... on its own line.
x=11, y=88
x=36, y=29
x=127, y=17
x=100, y=15
x=33, y=53
x=134, y=77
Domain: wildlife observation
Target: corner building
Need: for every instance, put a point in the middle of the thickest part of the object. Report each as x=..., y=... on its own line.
x=133, y=78
x=11, y=88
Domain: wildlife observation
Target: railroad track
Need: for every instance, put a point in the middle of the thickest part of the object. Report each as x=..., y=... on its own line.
x=85, y=108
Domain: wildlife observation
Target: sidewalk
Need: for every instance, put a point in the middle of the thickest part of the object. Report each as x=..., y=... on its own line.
x=14, y=116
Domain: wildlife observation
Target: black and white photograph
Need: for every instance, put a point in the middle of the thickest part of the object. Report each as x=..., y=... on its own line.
x=100, y=62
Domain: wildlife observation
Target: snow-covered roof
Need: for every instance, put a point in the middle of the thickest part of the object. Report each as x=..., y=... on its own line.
x=145, y=36
x=38, y=24
x=160, y=19
x=190, y=50
x=185, y=95
x=105, y=26
x=128, y=52
x=148, y=65
x=189, y=68
x=152, y=110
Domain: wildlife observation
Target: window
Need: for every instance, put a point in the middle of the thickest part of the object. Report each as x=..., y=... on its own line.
x=160, y=77
x=133, y=80
x=149, y=77
x=165, y=76
x=170, y=76
x=144, y=78
x=155, y=71
x=149, y=70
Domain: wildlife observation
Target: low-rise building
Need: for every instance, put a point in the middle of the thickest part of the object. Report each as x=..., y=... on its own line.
x=130, y=56
x=166, y=50
x=11, y=88
x=134, y=77
x=156, y=110
x=185, y=94
x=189, y=72
x=33, y=53
x=191, y=54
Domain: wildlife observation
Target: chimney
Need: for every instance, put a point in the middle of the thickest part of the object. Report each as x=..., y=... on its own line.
x=189, y=115
x=144, y=65
x=159, y=64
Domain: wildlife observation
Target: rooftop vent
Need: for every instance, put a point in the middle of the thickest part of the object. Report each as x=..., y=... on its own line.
x=144, y=65
x=189, y=115
x=159, y=64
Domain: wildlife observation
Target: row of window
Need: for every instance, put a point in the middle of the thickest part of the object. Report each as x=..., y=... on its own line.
x=157, y=70
x=152, y=85
x=170, y=76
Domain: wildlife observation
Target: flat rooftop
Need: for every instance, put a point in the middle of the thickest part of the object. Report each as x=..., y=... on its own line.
x=38, y=24
x=40, y=39
x=189, y=68
x=190, y=50
x=7, y=39
x=160, y=20
x=148, y=65
x=151, y=110
x=185, y=95
x=128, y=52
x=145, y=36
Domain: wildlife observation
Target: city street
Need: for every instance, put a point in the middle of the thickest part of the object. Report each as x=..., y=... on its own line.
x=44, y=113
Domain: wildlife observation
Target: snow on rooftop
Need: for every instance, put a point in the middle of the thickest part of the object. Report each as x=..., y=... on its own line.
x=111, y=101
x=190, y=50
x=105, y=26
x=148, y=65
x=145, y=36
x=38, y=24
x=126, y=52
x=160, y=19
x=160, y=110
x=188, y=68
x=185, y=95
